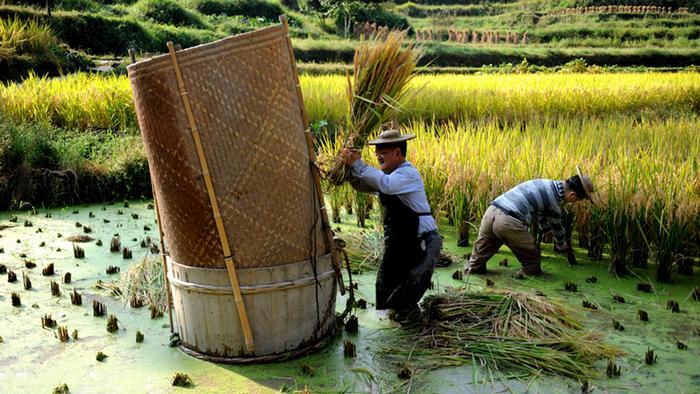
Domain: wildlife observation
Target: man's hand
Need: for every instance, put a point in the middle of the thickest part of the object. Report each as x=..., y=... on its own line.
x=350, y=156
x=563, y=248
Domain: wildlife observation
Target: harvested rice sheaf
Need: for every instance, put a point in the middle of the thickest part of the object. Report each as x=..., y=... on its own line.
x=505, y=330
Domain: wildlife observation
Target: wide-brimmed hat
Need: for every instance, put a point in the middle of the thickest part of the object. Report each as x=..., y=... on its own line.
x=587, y=183
x=391, y=136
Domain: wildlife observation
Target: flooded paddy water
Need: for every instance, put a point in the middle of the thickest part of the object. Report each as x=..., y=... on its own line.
x=32, y=359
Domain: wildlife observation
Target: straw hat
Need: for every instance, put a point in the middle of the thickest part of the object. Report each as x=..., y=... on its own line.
x=587, y=183
x=391, y=136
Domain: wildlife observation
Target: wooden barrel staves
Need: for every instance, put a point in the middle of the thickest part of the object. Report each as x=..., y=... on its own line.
x=250, y=261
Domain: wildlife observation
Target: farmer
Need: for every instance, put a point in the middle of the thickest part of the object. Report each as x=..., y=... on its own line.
x=411, y=240
x=507, y=219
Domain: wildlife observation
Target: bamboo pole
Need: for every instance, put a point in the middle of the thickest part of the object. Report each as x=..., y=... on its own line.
x=168, y=296
x=211, y=193
x=312, y=157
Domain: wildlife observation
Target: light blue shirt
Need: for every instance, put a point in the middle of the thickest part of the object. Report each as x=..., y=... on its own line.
x=405, y=182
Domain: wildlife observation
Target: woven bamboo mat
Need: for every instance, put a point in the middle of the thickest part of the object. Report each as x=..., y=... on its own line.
x=246, y=107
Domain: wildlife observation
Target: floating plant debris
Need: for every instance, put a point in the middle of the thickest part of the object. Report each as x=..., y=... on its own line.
x=112, y=324
x=126, y=204
x=612, y=370
x=120, y=212
x=48, y=270
x=66, y=278
x=59, y=235
x=406, y=372
x=48, y=215
x=27, y=223
x=643, y=315
x=180, y=379
x=673, y=306
x=75, y=212
x=11, y=276
x=115, y=246
x=47, y=322
x=361, y=303
x=112, y=270
x=79, y=238
x=134, y=240
x=618, y=298
x=489, y=282
x=174, y=340
x=134, y=215
x=696, y=294
x=155, y=249
x=78, y=252
x=570, y=286
x=105, y=220
x=39, y=230
x=649, y=357
x=76, y=298
x=144, y=244
x=55, y=290
x=618, y=326
x=308, y=370
x=681, y=346
x=100, y=356
x=644, y=287
x=2, y=250
x=75, y=335
x=352, y=325
x=3, y=269
x=15, y=299
x=126, y=253
x=589, y=305
x=78, y=224
x=87, y=229
x=42, y=244
x=61, y=389
x=146, y=228
x=503, y=263
x=139, y=337
x=349, y=349
x=458, y=275
x=62, y=333
x=155, y=312
x=99, y=242
x=13, y=219
x=91, y=215
x=592, y=279
x=26, y=282
x=98, y=308
x=29, y=264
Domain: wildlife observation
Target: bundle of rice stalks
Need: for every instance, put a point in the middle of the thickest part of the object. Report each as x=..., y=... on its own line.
x=365, y=248
x=382, y=71
x=505, y=329
x=143, y=283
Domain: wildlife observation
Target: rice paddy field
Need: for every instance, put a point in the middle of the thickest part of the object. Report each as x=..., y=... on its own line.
x=477, y=136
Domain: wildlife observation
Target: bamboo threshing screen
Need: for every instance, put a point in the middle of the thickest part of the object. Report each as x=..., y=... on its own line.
x=246, y=107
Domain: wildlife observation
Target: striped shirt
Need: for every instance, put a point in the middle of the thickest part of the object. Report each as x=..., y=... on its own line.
x=405, y=182
x=538, y=199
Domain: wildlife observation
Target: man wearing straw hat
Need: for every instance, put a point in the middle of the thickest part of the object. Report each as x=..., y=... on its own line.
x=507, y=219
x=411, y=240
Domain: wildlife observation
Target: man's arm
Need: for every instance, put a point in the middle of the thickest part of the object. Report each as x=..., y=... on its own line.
x=401, y=180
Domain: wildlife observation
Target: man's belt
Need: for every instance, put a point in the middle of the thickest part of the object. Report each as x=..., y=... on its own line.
x=510, y=213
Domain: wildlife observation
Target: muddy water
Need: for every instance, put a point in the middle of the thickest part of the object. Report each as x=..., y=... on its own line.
x=33, y=360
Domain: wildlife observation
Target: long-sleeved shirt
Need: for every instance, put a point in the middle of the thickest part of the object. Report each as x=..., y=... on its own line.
x=538, y=199
x=405, y=182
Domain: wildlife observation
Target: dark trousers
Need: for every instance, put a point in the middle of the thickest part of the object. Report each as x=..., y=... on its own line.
x=402, y=282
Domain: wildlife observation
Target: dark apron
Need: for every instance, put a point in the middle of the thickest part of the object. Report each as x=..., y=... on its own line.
x=402, y=254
